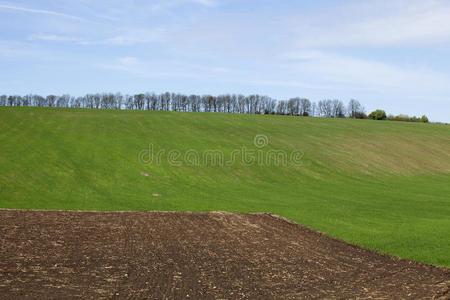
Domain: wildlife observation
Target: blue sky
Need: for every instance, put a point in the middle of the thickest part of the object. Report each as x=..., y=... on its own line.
x=387, y=54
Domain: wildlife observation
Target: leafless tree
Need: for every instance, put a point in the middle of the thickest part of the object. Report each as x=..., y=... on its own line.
x=305, y=107
x=51, y=100
x=355, y=109
x=226, y=103
x=338, y=109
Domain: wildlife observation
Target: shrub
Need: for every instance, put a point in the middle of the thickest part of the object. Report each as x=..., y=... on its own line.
x=378, y=114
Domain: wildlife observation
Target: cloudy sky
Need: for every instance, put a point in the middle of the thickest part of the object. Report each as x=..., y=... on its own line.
x=387, y=54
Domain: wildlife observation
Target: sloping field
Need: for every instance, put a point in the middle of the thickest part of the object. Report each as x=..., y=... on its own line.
x=162, y=255
x=381, y=185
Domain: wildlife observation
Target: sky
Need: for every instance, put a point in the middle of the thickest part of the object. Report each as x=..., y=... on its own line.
x=392, y=55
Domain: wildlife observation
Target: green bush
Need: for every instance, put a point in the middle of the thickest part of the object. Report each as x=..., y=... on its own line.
x=406, y=118
x=378, y=114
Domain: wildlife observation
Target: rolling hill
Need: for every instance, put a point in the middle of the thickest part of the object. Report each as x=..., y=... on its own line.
x=382, y=185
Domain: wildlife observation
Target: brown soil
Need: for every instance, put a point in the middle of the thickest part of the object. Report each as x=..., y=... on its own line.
x=56, y=254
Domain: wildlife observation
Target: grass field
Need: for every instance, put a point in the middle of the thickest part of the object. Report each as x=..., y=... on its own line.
x=382, y=185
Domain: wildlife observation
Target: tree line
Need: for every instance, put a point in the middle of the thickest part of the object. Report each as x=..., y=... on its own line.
x=380, y=114
x=228, y=103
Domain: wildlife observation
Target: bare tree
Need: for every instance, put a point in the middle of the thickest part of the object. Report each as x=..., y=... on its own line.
x=293, y=106
x=314, y=109
x=118, y=100
x=325, y=108
x=139, y=101
x=63, y=101
x=129, y=103
x=51, y=100
x=27, y=100
x=338, y=110
x=226, y=103
x=3, y=100
x=355, y=109
x=77, y=102
x=38, y=101
x=282, y=107
x=305, y=107
x=97, y=100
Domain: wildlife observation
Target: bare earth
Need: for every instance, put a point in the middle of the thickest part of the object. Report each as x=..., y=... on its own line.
x=55, y=254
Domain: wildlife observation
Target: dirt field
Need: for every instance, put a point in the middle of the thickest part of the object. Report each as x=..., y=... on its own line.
x=54, y=254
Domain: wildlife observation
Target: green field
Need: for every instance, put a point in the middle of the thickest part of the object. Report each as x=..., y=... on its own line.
x=382, y=185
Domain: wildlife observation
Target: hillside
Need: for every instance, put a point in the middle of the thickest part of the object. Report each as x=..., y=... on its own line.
x=381, y=185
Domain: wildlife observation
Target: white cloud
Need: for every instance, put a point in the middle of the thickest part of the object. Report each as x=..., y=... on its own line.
x=166, y=5
x=127, y=64
x=137, y=36
x=124, y=38
x=376, y=23
x=149, y=68
x=54, y=37
x=370, y=75
x=205, y=2
x=128, y=60
x=39, y=11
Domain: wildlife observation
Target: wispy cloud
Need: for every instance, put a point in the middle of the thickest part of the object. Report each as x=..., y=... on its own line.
x=147, y=68
x=40, y=11
x=126, y=37
x=205, y=2
x=171, y=4
x=135, y=66
x=137, y=36
x=54, y=37
x=370, y=75
x=378, y=23
x=128, y=64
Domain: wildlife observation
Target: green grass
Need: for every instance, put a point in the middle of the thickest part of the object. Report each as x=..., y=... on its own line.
x=382, y=185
